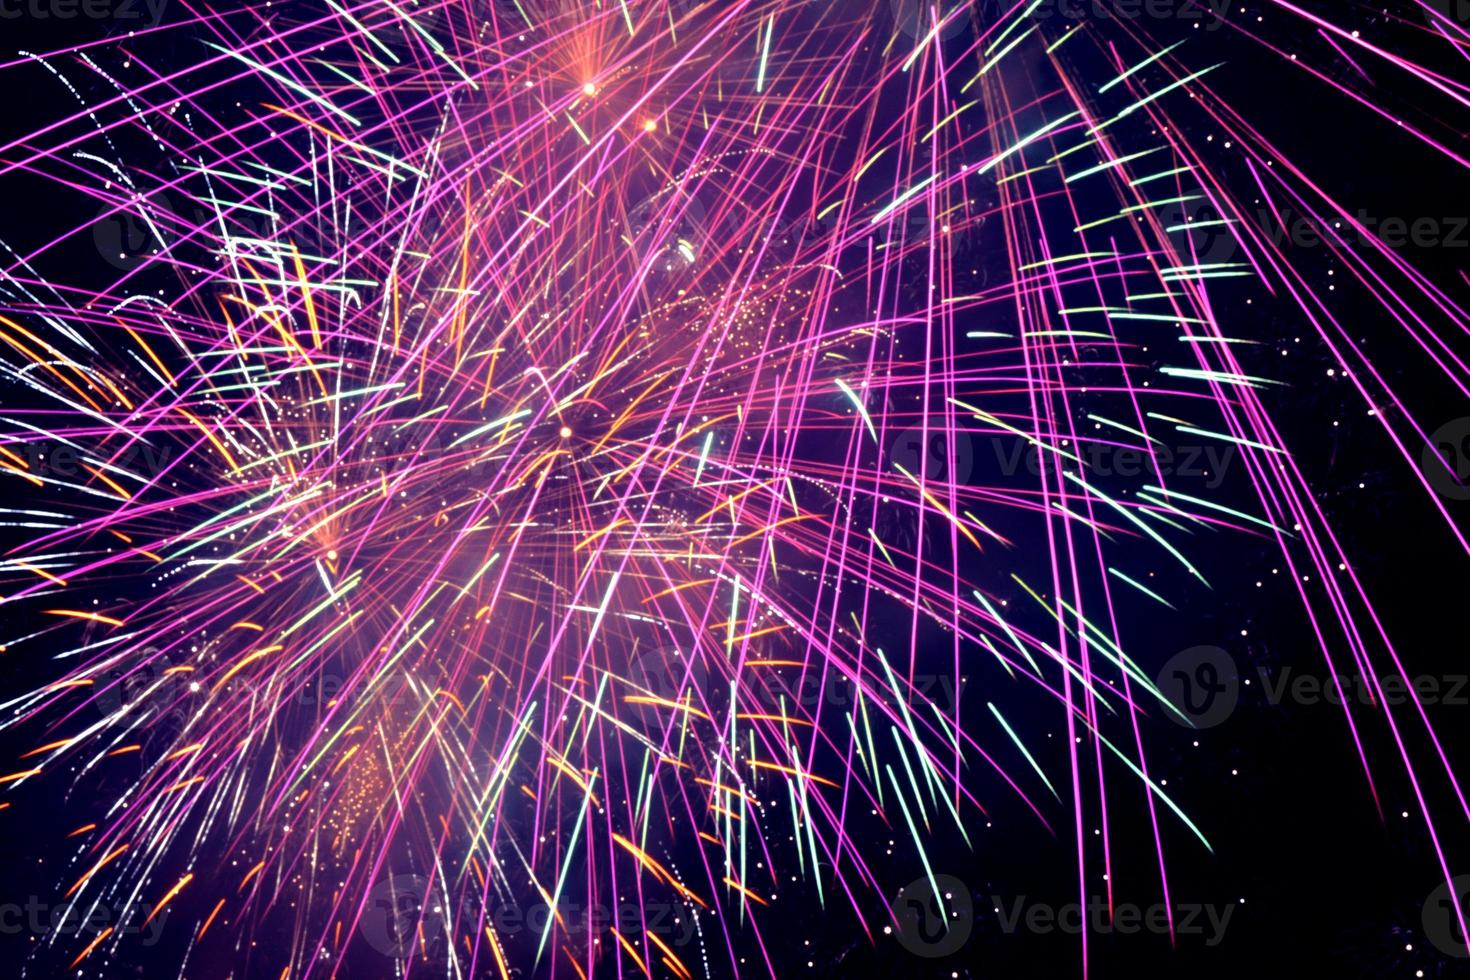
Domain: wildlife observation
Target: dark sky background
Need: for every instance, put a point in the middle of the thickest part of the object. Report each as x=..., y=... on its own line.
x=1329, y=888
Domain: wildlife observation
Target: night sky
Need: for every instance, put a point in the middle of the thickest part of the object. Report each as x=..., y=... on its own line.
x=372, y=841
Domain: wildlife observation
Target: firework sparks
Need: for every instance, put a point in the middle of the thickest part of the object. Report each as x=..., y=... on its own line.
x=532, y=460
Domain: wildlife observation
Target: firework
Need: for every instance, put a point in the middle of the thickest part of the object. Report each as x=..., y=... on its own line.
x=616, y=460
